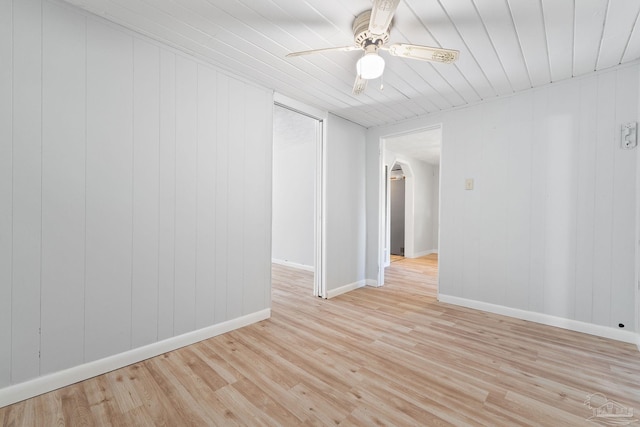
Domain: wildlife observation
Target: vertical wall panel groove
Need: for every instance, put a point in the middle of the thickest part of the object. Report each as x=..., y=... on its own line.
x=256, y=190
x=492, y=235
x=539, y=187
x=222, y=199
x=268, y=201
x=109, y=191
x=561, y=122
x=454, y=130
x=146, y=128
x=27, y=158
x=235, y=212
x=167, y=195
x=586, y=252
x=206, y=257
x=63, y=189
x=604, y=197
x=519, y=187
x=6, y=184
x=186, y=194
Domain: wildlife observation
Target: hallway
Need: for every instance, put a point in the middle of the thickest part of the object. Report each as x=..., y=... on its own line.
x=414, y=274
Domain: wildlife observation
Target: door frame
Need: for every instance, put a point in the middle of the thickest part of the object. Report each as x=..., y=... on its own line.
x=319, y=275
x=382, y=197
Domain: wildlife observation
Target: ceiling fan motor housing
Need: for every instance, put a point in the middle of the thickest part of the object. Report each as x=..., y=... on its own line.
x=363, y=36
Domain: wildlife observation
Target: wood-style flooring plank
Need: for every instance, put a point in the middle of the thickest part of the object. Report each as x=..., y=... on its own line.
x=391, y=355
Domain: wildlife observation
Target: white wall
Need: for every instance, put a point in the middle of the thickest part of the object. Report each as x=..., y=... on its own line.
x=294, y=173
x=637, y=300
x=424, y=241
x=435, y=211
x=550, y=225
x=345, y=250
x=6, y=188
x=135, y=201
x=424, y=213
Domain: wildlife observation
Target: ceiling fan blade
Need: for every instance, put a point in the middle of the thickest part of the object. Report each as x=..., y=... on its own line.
x=424, y=53
x=328, y=49
x=359, y=86
x=381, y=16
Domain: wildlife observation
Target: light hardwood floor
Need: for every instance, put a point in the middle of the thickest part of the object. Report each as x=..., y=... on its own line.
x=374, y=356
x=394, y=258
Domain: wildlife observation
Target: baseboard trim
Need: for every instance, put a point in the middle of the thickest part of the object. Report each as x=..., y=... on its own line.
x=25, y=390
x=372, y=282
x=545, y=319
x=344, y=289
x=424, y=253
x=293, y=265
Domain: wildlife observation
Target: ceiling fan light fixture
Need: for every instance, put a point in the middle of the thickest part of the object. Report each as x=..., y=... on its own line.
x=370, y=66
x=371, y=30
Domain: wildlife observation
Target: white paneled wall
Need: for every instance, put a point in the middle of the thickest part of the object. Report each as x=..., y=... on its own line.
x=135, y=192
x=206, y=196
x=167, y=194
x=549, y=227
x=146, y=191
x=63, y=189
x=27, y=188
x=345, y=205
x=109, y=191
x=6, y=188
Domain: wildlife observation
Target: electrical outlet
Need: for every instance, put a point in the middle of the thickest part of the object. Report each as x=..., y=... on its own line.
x=628, y=136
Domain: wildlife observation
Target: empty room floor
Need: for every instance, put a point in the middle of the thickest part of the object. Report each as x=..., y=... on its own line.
x=375, y=356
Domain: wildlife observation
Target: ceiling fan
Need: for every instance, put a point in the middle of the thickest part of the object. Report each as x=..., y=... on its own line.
x=371, y=32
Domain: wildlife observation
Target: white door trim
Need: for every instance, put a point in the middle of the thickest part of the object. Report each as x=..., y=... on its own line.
x=409, y=209
x=382, y=199
x=319, y=282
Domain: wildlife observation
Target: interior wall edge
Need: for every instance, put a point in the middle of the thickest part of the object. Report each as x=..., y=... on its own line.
x=293, y=264
x=332, y=293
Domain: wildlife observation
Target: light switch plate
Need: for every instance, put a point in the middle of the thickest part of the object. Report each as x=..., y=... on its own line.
x=468, y=184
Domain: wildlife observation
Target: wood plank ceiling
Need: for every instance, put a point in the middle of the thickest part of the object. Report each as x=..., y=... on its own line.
x=505, y=46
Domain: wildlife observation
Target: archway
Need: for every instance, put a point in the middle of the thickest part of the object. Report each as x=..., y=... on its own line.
x=407, y=211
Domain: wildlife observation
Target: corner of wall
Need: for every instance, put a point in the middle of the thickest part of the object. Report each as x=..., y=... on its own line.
x=637, y=272
x=332, y=293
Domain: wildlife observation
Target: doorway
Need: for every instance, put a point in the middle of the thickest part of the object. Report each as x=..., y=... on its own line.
x=410, y=167
x=298, y=189
x=397, y=199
